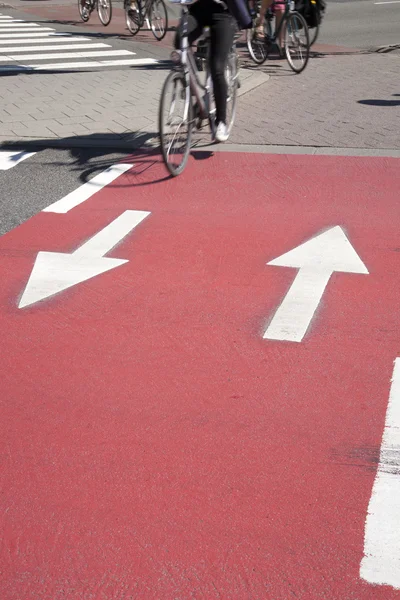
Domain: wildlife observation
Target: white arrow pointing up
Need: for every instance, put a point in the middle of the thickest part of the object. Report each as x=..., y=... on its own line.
x=317, y=259
x=54, y=272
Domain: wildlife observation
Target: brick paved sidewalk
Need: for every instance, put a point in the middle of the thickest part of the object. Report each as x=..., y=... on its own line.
x=348, y=100
x=113, y=108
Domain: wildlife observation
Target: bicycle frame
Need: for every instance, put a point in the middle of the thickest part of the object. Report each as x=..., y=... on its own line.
x=144, y=10
x=194, y=86
x=289, y=7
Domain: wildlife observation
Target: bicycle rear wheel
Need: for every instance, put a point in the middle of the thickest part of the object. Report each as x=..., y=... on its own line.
x=84, y=10
x=133, y=15
x=175, y=120
x=104, y=9
x=257, y=47
x=313, y=34
x=297, y=42
x=158, y=19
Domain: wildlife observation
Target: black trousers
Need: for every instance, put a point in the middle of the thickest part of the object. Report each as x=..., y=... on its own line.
x=207, y=13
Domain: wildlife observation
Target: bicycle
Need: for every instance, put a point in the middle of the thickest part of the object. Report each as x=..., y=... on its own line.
x=296, y=41
x=154, y=12
x=313, y=11
x=177, y=110
x=104, y=10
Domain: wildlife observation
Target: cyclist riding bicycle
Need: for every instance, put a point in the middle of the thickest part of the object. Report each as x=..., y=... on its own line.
x=223, y=18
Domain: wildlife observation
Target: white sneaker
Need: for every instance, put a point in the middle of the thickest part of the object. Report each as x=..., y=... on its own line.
x=222, y=134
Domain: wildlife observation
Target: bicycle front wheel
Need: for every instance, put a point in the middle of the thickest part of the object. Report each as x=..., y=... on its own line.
x=158, y=18
x=297, y=42
x=175, y=120
x=104, y=9
x=257, y=47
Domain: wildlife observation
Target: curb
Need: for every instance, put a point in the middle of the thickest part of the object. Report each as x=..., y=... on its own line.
x=151, y=145
x=306, y=150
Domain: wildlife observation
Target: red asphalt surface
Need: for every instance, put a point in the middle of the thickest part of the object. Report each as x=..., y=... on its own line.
x=154, y=445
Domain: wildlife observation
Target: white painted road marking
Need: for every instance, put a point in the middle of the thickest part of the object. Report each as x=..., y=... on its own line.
x=389, y=2
x=20, y=30
x=38, y=38
x=51, y=56
x=10, y=159
x=317, y=259
x=44, y=40
x=58, y=47
x=381, y=562
x=85, y=191
x=12, y=24
x=54, y=272
x=48, y=31
x=138, y=62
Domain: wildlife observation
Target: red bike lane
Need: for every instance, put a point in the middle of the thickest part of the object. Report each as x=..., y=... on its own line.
x=155, y=443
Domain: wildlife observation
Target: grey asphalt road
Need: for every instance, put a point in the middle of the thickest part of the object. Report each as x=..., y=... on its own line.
x=46, y=177
x=361, y=23
x=352, y=23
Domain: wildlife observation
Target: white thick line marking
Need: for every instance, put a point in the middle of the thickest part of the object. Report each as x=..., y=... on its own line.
x=85, y=191
x=43, y=40
x=94, y=54
x=19, y=29
x=12, y=24
x=103, y=63
x=54, y=272
x=61, y=48
x=24, y=32
x=81, y=65
x=381, y=562
x=389, y=2
x=316, y=260
x=10, y=159
x=13, y=36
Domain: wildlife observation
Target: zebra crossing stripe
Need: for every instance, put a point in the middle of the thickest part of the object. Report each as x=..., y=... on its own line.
x=45, y=40
x=25, y=56
x=29, y=29
x=138, y=62
x=59, y=47
x=17, y=24
x=68, y=55
x=31, y=34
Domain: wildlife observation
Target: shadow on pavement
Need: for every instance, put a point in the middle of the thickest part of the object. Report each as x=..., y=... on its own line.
x=94, y=153
x=378, y=102
x=8, y=71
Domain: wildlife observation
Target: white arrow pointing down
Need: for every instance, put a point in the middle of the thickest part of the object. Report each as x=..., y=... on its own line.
x=317, y=259
x=54, y=272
